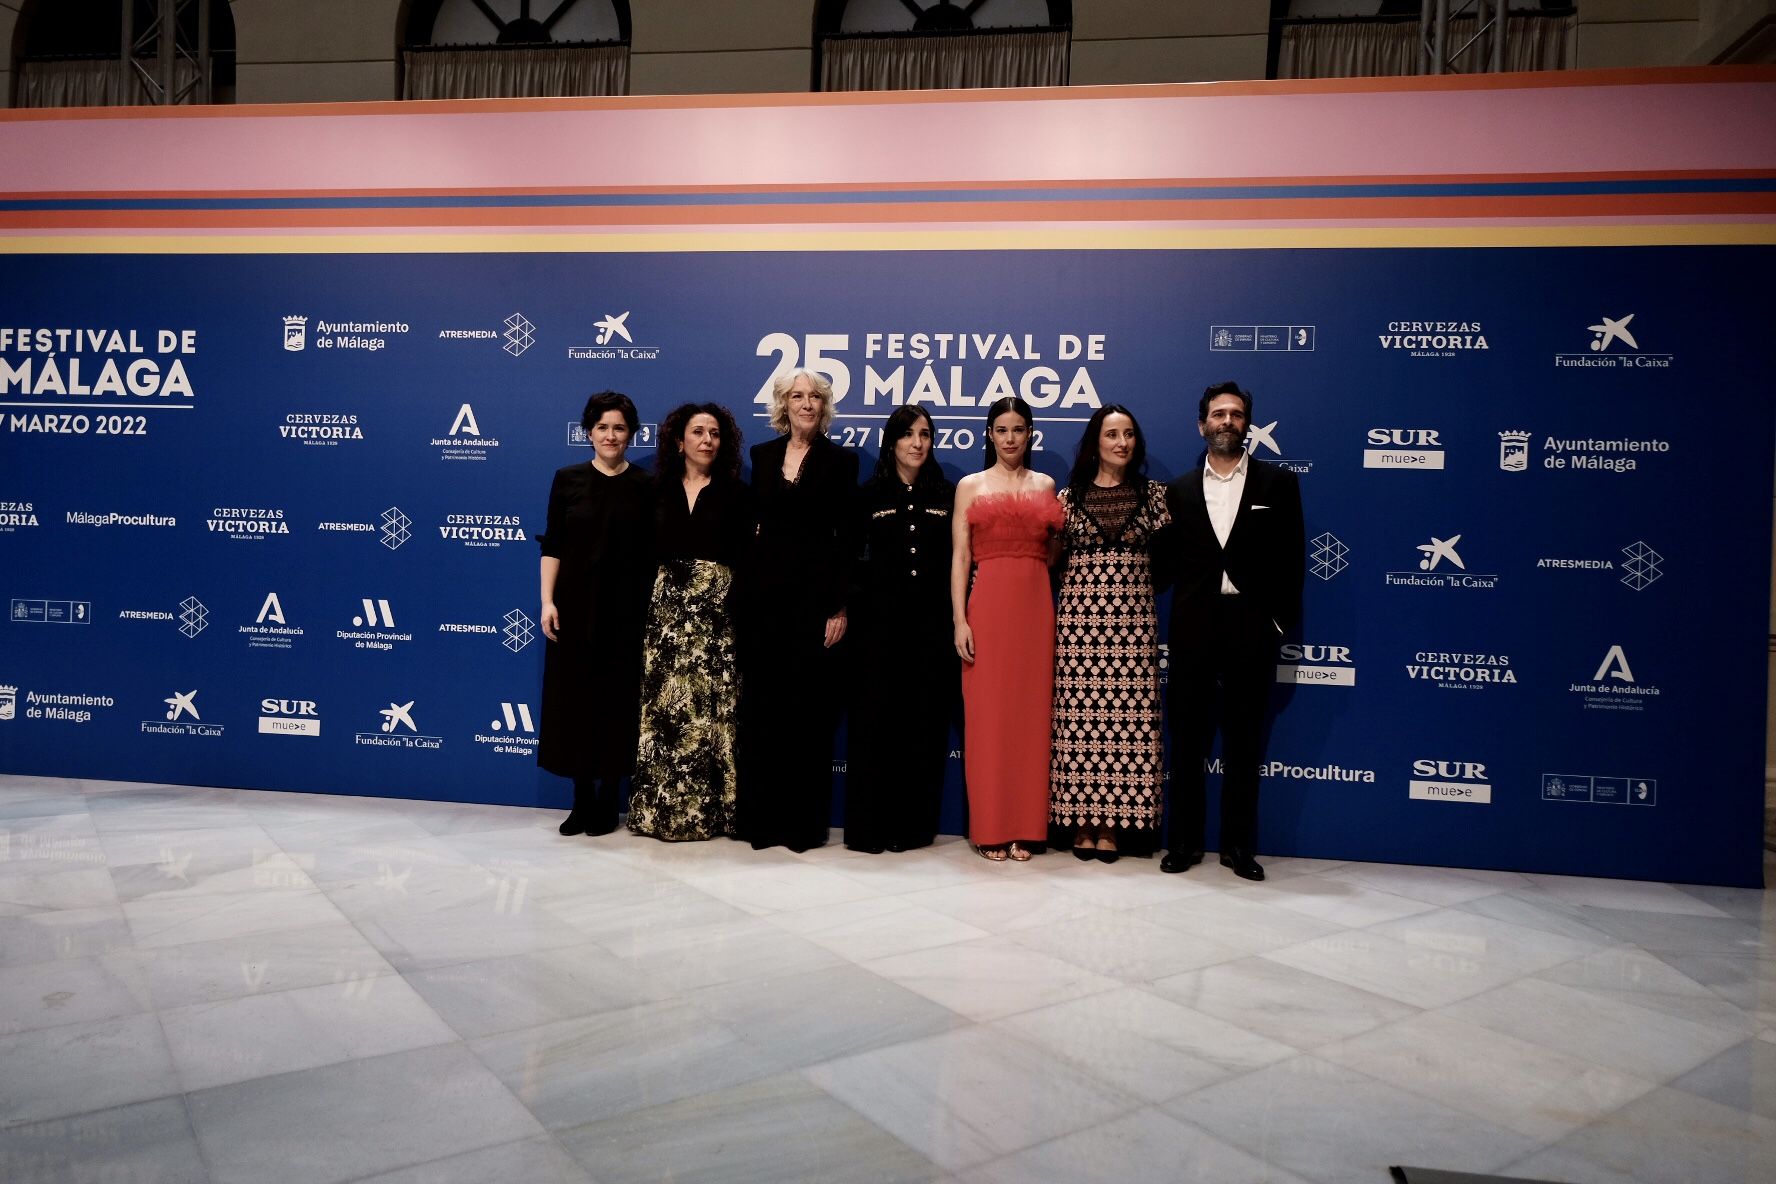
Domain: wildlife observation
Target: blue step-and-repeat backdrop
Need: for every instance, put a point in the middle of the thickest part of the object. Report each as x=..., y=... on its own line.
x=269, y=521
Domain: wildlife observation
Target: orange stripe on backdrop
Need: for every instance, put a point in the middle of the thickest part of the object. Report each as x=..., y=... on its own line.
x=1098, y=183
x=1668, y=75
x=1010, y=213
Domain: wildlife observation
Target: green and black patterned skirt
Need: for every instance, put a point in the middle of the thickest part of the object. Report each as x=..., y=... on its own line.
x=690, y=685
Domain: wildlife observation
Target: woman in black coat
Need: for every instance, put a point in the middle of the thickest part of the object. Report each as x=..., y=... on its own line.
x=596, y=569
x=798, y=578
x=906, y=673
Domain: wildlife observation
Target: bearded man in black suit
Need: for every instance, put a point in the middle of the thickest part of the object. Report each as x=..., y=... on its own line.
x=1237, y=553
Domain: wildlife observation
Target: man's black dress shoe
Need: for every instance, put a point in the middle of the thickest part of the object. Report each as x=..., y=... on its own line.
x=1243, y=865
x=1180, y=861
x=573, y=824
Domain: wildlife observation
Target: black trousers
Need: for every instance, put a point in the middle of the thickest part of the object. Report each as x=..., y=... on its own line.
x=1220, y=676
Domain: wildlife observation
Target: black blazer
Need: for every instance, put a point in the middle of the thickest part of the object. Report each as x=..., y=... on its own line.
x=1265, y=556
x=806, y=536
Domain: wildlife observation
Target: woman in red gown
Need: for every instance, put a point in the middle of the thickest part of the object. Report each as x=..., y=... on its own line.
x=1003, y=528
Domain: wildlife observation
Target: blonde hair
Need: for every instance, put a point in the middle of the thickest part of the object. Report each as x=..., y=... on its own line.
x=780, y=399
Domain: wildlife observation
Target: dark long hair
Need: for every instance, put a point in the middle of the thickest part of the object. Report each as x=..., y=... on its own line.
x=1085, y=464
x=1000, y=407
x=669, y=462
x=899, y=427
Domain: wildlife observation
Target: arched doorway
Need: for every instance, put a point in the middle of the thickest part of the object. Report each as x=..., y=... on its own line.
x=472, y=49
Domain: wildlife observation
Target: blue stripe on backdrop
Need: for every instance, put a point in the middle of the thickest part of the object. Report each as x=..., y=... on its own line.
x=1655, y=186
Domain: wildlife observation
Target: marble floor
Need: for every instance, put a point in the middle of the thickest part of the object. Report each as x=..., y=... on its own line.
x=231, y=985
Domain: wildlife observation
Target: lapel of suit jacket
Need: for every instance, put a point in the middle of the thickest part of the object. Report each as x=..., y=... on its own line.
x=1191, y=495
x=1252, y=486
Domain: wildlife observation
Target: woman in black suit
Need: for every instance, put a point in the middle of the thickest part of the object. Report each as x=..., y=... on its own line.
x=907, y=675
x=804, y=487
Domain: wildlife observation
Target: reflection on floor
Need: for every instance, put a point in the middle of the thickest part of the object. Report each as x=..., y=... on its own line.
x=230, y=985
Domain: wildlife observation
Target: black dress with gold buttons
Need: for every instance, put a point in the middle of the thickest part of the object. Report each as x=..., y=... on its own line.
x=908, y=679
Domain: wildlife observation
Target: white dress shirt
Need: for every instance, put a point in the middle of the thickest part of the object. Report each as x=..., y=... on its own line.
x=1222, y=495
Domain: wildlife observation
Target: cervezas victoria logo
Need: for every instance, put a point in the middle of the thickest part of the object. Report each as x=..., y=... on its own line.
x=15, y=516
x=1434, y=339
x=482, y=530
x=246, y=522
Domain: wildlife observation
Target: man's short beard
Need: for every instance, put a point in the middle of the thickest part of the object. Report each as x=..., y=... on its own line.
x=1237, y=447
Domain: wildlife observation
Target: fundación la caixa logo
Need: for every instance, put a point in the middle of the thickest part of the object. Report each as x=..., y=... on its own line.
x=1441, y=566
x=181, y=718
x=1265, y=437
x=399, y=730
x=607, y=331
x=1613, y=346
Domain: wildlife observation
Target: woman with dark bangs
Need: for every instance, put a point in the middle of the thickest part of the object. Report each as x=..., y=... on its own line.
x=907, y=673
x=684, y=785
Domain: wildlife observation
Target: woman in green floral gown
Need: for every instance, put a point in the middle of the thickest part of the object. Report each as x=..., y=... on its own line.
x=684, y=784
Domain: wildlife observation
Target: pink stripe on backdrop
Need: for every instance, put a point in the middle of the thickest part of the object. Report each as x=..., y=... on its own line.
x=1558, y=129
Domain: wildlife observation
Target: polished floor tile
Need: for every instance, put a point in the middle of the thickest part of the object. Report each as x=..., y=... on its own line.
x=1327, y=1122
x=766, y=1131
x=210, y=985
x=145, y=1143
x=967, y=1097
x=1282, y=1002
x=1146, y=1147
x=1523, y=1087
x=345, y=1121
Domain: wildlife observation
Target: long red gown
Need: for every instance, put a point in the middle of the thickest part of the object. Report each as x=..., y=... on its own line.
x=1008, y=691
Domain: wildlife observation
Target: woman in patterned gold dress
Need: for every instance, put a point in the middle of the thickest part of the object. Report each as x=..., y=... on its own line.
x=1105, y=780
x=684, y=785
